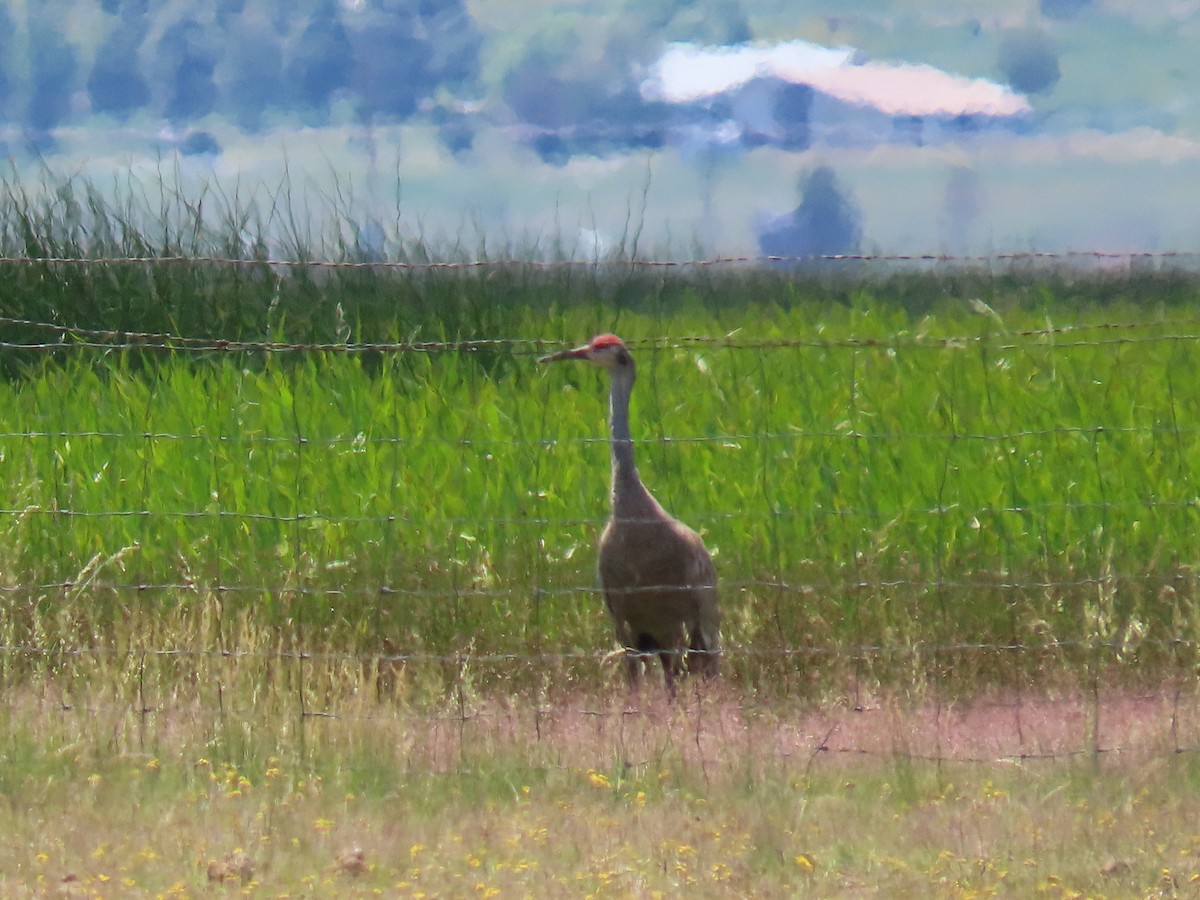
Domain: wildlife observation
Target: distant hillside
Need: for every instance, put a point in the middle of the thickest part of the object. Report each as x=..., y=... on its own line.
x=558, y=69
x=242, y=60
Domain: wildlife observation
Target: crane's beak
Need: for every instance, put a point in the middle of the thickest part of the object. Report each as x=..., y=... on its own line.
x=576, y=353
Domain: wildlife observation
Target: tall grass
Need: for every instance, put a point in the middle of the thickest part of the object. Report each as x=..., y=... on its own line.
x=873, y=485
x=179, y=291
x=897, y=481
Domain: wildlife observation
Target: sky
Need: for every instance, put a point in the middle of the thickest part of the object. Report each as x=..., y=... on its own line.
x=706, y=128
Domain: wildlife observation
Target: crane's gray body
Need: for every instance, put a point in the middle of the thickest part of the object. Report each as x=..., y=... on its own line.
x=659, y=582
x=661, y=589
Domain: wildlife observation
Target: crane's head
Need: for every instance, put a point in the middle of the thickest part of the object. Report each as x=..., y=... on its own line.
x=605, y=350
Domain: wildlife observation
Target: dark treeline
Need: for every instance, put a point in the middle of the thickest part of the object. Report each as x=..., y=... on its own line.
x=384, y=59
x=572, y=81
x=238, y=58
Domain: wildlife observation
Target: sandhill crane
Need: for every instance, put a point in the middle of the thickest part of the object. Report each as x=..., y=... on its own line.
x=658, y=579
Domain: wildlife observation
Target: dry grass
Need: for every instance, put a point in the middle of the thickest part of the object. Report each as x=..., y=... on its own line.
x=722, y=795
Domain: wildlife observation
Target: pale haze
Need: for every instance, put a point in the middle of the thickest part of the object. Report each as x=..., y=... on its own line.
x=666, y=128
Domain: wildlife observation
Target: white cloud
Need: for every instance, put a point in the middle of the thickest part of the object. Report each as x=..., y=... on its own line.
x=686, y=72
x=909, y=90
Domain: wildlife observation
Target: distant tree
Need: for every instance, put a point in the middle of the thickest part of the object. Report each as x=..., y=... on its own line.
x=250, y=74
x=229, y=10
x=199, y=143
x=551, y=149
x=709, y=22
x=455, y=41
x=53, y=74
x=1064, y=9
x=825, y=223
x=593, y=104
x=536, y=89
x=593, y=101
x=115, y=84
x=128, y=10
x=593, y=115
x=391, y=70
x=185, y=59
x=644, y=26
x=321, y=62
x=1028, y=60
x=280, y=13
x=195, y=92
x=793, y=104
x=454, y=130
x=7, y=32
x=962, y=204
x=404, y=50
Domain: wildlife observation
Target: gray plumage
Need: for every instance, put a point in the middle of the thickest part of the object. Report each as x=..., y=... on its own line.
x=658, y=579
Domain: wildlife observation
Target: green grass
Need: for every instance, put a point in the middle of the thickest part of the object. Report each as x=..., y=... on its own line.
x=865, y=478
x=273, y=603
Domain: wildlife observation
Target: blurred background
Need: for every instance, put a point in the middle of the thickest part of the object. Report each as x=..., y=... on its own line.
x=660, y=127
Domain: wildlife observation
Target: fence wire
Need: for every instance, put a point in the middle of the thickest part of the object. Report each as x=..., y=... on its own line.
x=593, y=262
x=69, y=337
x=1095, y=594
x=1015, y=729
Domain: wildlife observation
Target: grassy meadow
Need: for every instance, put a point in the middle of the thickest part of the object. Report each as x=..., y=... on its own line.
x=886, y=495
x=590, y=801
x=297, y=562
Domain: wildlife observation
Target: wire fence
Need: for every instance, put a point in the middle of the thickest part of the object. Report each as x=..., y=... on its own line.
x=90, y=339
x=1168, y=257
x=1028, y=620
x=1106, y=723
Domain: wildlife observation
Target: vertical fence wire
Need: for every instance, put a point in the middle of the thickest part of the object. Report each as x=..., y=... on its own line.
x=218, y=599
x=303, y=590
x=144, y=706
x=300, y=597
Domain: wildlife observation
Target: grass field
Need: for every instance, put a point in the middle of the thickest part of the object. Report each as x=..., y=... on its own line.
x=864, y=479
x=717, y=797
x=263, y=602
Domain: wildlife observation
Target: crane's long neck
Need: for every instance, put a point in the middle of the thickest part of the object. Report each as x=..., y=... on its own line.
x=630, y=499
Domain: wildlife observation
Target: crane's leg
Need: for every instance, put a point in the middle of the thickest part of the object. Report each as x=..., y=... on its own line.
x=633, y=667
x=703, y=661
x=631, y=644
x=704, y=655
x=669, y=662
x=647, y=649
